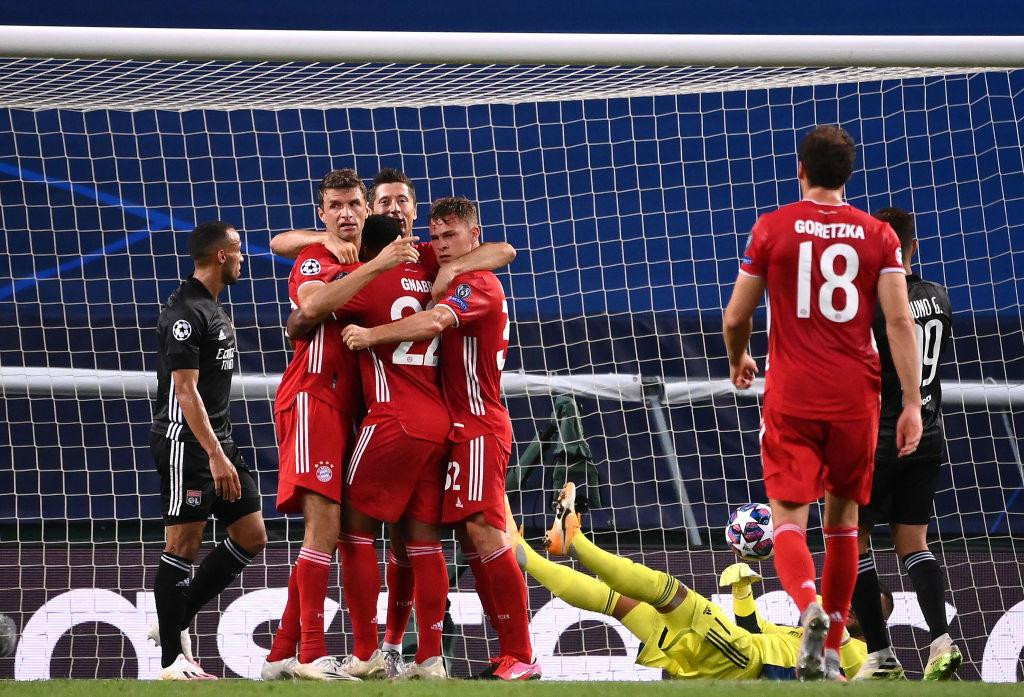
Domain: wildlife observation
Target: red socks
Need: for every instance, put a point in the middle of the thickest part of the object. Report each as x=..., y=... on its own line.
x=399, y=577
x=508, y=592
x=838, y=579
x=361, y=586
x=483, y=590
x=286, y=638
x=311, y=571
x=795, y=567
x=431, y=592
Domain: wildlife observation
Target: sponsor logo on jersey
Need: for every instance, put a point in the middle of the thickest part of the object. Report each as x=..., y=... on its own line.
x=181, y=330
x=747, y=260
x=459, y=303
x=899, y=256
x=194, y=497
x=341, y=274
x=463, y=290
x=324, y=472
x=310, y=267
x=226, y=356
x=222, y=336
x=458, y=502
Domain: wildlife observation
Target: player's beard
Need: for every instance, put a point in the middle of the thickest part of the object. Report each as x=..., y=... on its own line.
x=229, y=277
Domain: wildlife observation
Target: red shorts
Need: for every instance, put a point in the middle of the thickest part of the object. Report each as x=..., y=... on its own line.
x=802, y=458
x=476, y=481
x=310, y=462
x=394, y=475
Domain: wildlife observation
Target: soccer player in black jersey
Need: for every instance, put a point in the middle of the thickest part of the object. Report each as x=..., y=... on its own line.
x=904, y=488
x=201, y=468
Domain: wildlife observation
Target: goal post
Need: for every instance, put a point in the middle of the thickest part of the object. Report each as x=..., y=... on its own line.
x=626, y=171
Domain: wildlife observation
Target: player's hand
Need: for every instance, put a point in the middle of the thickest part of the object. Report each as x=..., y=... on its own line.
x=442, y=281
x=346, y=252
x=401, y=251
x=739, y=573
x=908, y=430
x=225, y=477
x=356, y=337
x=742, y=375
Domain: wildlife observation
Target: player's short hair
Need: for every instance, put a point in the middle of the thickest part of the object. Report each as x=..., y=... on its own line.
x=901, y=222
x=455, y=206
x=339, y=179
x=378, y=232
x=828, y=154
x=207, y=239
x=390, y=175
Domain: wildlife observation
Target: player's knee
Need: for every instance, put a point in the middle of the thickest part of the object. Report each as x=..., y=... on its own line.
x=186, y=548
x=484, y=537
x=184, y=540
x=254, y=542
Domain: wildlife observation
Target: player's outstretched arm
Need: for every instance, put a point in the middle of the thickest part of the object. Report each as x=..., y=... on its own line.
x=186, y=390
x=290, y=244
x=739, y=577
x=899, y=327
x=737, y=325
x=418, y=327
x=318, y=300
x=487, y=257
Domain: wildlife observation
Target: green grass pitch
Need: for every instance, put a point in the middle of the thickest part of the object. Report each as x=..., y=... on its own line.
x=463, y=688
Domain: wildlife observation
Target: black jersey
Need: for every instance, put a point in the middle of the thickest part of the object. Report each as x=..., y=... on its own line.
x=933, y=315
x=194, y=332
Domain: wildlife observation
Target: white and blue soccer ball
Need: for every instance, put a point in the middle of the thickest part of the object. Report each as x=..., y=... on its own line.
x=750, y=532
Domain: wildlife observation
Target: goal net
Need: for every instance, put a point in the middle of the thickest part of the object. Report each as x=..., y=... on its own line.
x=628, y=191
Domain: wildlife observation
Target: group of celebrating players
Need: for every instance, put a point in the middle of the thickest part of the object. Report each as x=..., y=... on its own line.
x=390, y=411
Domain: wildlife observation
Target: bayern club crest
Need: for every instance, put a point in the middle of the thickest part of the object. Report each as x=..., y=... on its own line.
x=181, y=330
x=324, y=473
x=310, y=267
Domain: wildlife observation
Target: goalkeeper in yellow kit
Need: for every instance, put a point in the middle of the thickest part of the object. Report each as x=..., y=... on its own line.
x=682, y=632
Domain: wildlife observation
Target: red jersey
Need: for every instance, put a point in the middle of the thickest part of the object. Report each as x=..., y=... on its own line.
x=322, y=365
x=428, y=259
x=821, y=265
x=472, y=356
x=401, y=380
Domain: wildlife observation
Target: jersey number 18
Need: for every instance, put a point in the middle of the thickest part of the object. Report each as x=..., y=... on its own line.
x=833, y=281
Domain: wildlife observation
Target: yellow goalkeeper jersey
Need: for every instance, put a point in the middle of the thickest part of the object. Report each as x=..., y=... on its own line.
x=698, y=640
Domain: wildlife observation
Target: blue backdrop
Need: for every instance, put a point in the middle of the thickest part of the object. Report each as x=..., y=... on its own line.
x=629, y=215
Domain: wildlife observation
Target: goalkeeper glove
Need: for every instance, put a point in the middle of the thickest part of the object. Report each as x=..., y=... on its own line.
x=738, y=574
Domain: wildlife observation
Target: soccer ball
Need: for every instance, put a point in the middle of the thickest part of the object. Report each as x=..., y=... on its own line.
x=750, y=532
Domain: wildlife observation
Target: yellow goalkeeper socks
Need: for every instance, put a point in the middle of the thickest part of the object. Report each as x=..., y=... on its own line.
x=627, y=577
x=579, y=590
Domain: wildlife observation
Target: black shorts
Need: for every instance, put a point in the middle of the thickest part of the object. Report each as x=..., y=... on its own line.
x=187, y=492
x=903, y=490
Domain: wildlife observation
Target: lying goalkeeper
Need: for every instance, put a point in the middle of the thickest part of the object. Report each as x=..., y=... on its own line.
x=682, y=632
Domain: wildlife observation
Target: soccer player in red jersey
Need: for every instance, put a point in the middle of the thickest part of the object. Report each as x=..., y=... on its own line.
x=474, y=321
x=824, y=264
x=317, y=395
x=396, y=472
